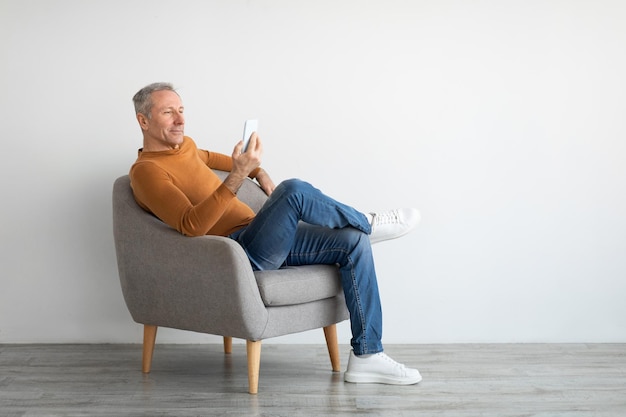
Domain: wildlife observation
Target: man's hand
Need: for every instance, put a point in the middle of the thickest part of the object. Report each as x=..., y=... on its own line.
x=265, y=182
x=244, y=163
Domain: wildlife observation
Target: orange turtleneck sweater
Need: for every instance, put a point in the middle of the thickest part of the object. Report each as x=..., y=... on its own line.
x=179, y=187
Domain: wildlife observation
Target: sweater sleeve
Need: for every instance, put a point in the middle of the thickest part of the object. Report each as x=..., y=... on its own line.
x=155, y=191
x=215, y=160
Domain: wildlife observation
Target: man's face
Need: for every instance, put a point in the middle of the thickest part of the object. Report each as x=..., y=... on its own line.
x=166, y=126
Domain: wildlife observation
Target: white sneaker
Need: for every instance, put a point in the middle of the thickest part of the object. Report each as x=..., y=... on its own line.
x=379, y=369
x=393, y=223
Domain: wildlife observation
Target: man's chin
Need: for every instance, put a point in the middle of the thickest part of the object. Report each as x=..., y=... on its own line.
x=177, y=139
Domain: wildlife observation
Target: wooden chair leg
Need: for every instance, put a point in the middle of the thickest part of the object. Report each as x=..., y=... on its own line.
x=228, y=345
x=330, y=332
x=149, y=337
x=254, y=364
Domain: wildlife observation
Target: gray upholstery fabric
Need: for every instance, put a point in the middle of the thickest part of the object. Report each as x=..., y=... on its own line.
x=250, y=193
x=295, y=285
x=206, y=284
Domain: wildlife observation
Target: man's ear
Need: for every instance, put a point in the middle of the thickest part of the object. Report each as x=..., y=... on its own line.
x=143, y=121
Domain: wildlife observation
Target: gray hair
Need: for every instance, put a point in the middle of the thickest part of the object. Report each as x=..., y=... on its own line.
x=143, y=99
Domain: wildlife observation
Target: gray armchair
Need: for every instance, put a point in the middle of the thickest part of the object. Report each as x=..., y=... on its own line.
x=206, y=284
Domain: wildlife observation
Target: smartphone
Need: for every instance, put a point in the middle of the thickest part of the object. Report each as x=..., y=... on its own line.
x=248, y=128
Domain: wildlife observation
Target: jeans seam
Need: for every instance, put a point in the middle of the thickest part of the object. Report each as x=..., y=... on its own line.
x=359, y=306
x=355, y=288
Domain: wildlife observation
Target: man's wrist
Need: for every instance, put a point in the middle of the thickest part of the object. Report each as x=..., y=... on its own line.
x=234, y=181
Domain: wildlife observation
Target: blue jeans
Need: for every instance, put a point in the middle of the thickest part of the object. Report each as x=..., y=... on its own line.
x=298, y=225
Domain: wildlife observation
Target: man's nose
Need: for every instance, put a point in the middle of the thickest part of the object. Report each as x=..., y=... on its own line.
x=179, y=119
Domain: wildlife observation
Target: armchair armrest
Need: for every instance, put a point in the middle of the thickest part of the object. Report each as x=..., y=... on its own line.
x=207, y=285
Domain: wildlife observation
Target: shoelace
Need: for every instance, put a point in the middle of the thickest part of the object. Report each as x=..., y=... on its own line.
x=387, y=217
x=400, y=367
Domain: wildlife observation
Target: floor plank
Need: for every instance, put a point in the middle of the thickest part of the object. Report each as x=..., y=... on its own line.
x=563, y=380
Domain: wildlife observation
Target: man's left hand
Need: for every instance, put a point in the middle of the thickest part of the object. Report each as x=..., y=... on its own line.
x=265, y=182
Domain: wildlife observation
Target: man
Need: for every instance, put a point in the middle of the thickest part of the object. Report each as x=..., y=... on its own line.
x=298, y=225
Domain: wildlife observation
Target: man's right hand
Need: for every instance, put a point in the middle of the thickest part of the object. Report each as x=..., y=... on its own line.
x=244, y=163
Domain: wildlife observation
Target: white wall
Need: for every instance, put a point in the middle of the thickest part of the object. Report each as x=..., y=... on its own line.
x=504, y=122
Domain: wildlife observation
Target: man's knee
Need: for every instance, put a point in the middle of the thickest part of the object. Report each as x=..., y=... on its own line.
x=293, y=186
x=355, y=239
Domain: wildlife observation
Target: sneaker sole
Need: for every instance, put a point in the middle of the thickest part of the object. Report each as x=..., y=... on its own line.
x=373, y=241
x=364, y=378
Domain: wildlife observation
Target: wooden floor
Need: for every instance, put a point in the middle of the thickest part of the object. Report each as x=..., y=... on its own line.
x=199, y=380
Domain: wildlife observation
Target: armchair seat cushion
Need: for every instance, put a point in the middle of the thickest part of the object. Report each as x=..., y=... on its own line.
x=298, y=285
